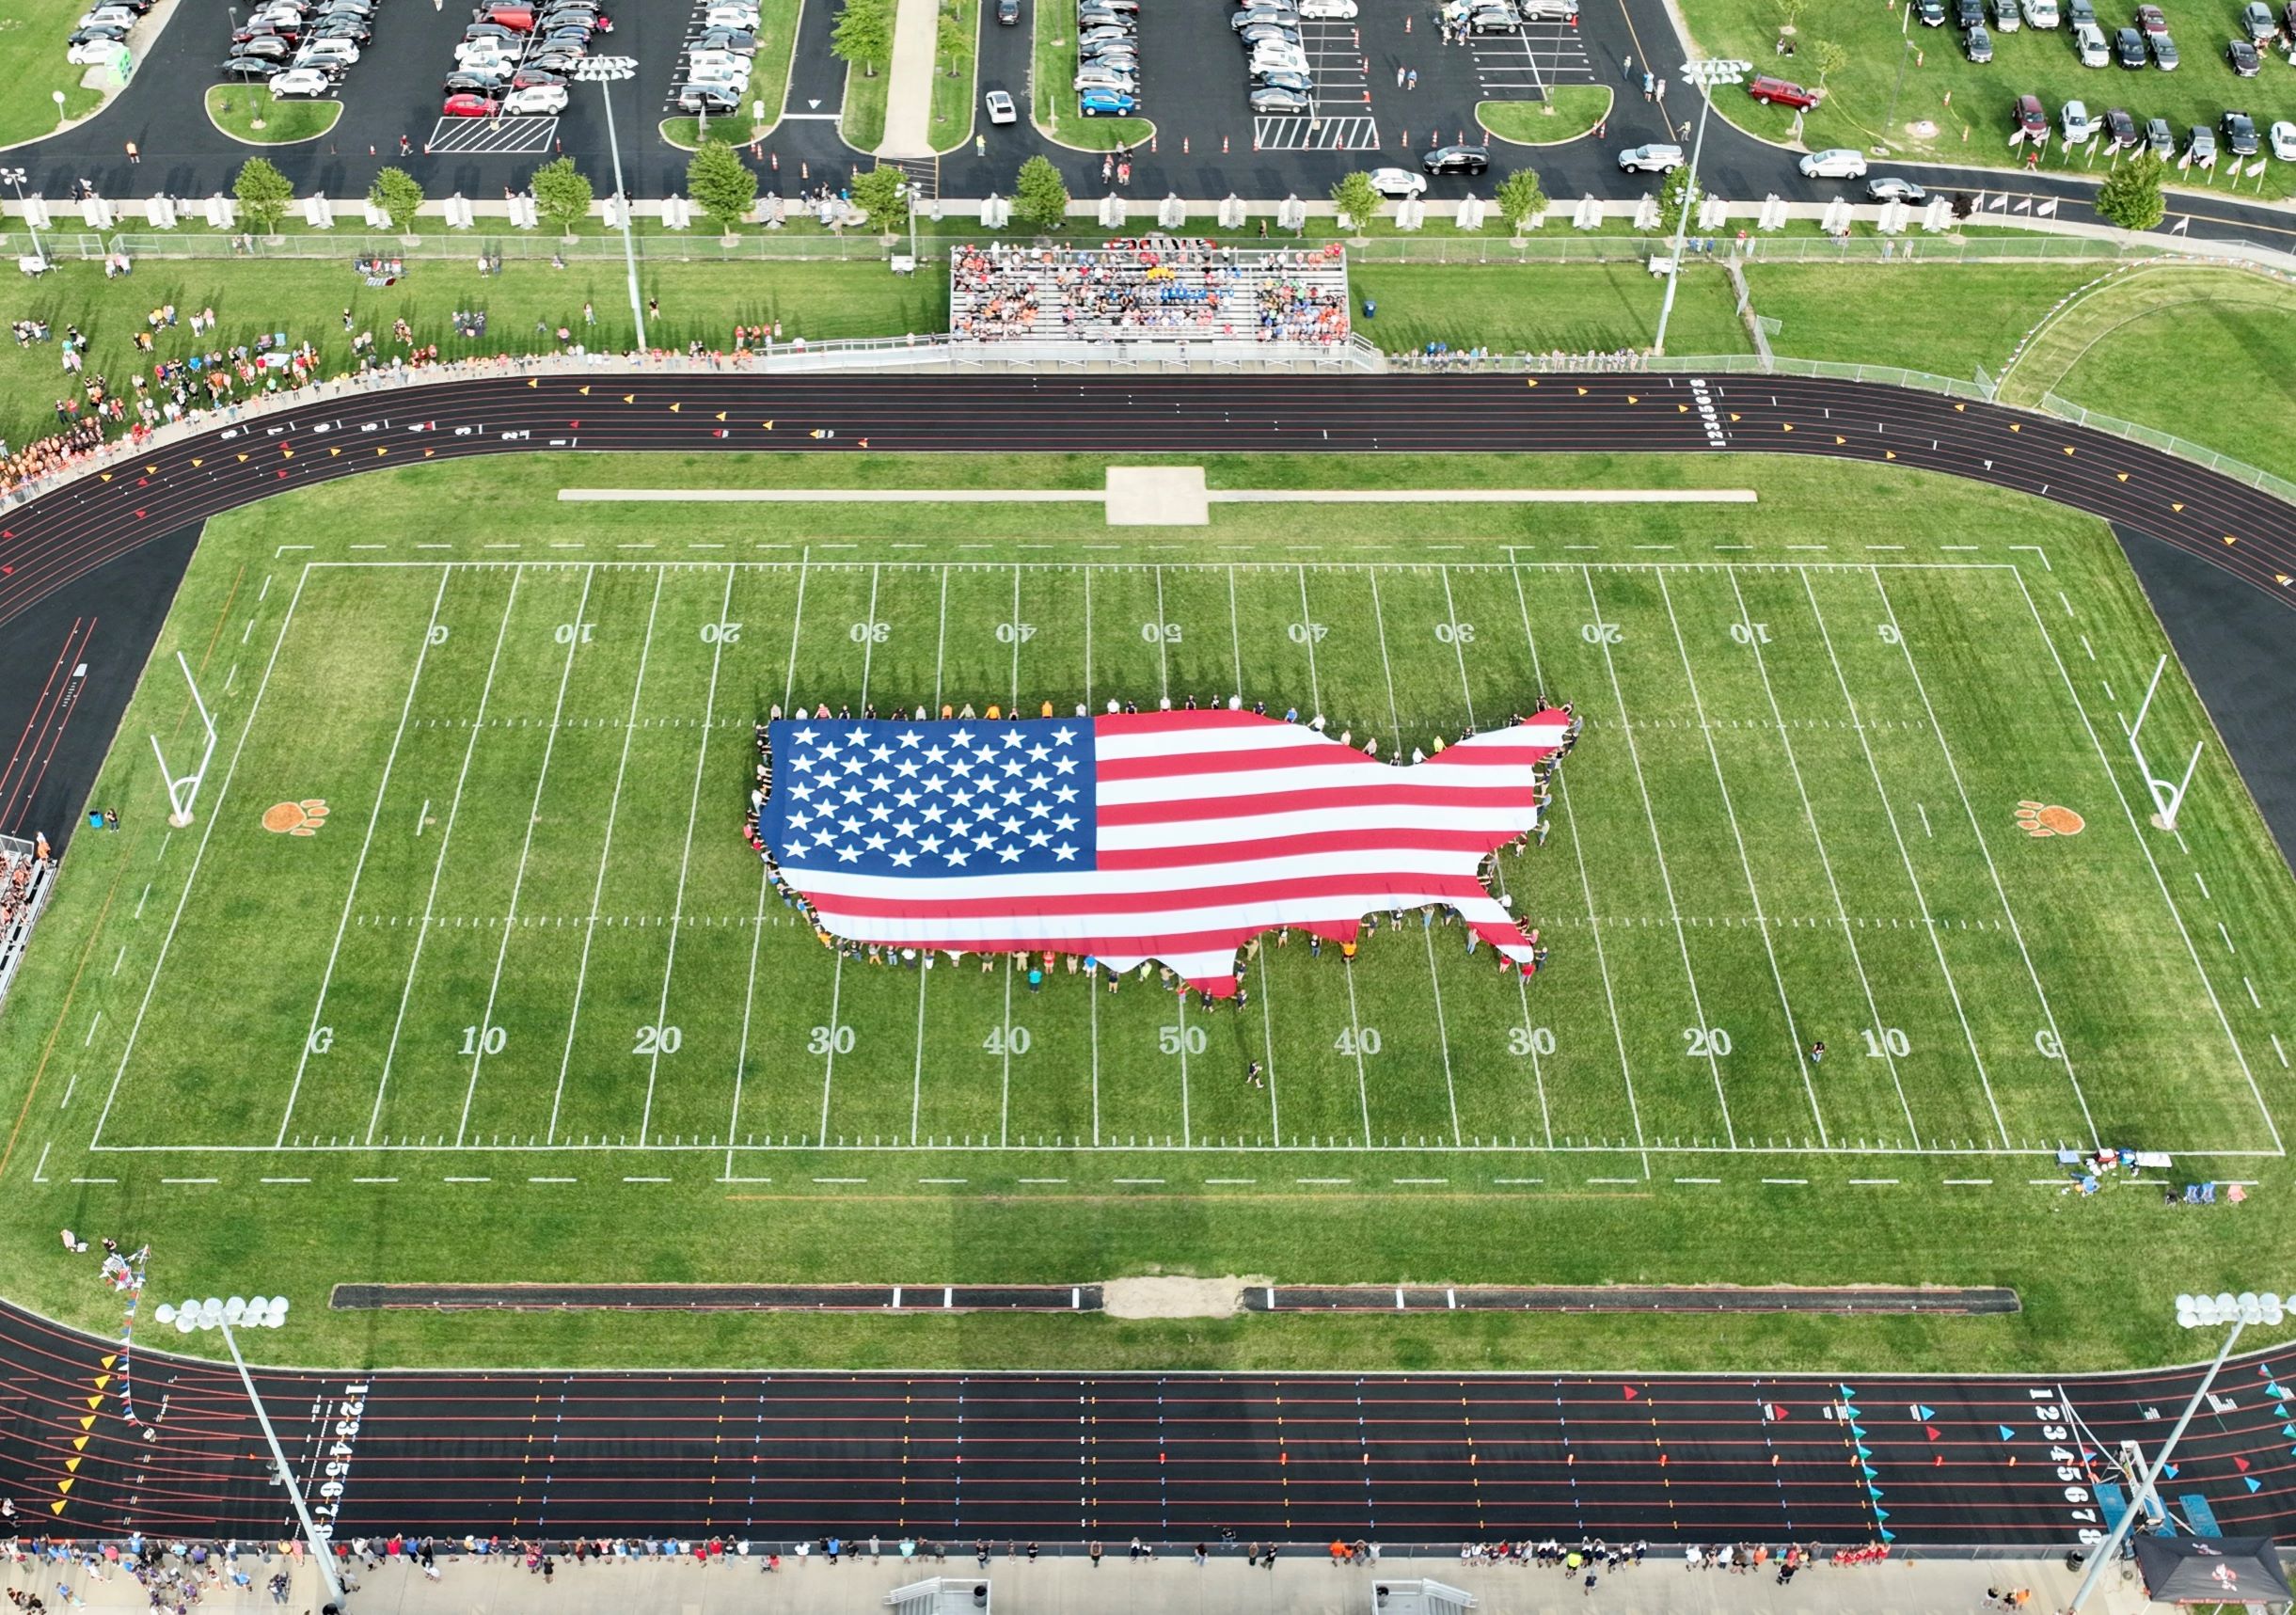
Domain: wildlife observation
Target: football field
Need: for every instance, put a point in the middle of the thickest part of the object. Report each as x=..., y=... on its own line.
x=468, y=884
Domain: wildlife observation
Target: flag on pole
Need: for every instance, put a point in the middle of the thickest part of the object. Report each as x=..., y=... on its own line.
x=2024, y=205
x=1170, y=836
x=2047, y=209
x=2255, y=168
x=2181, y=225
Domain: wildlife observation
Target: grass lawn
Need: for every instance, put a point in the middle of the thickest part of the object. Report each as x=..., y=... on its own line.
x=956, y=52
x=1568, y=111
x=860, y=124
x=530, y=851
x=1575, y=307
x=305, y=298
x=236, y=109
x=1944, y=319
x=33, y=36
x=1052, y=44
x=685, y=132
x=2214, y=372
x=1974, y=126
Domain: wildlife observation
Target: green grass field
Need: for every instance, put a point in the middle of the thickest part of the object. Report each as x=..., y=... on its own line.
x=523, y=999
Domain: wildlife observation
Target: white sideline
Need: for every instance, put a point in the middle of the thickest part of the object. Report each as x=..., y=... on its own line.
x=1216, y=495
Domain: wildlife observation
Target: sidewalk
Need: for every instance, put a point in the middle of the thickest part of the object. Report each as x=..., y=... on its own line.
x=1172, y=1585
x=909, y=98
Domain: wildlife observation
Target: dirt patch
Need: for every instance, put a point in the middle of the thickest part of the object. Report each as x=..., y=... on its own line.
x=1174, y=1297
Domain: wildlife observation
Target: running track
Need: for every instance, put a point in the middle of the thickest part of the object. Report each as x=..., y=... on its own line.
x=778, y=1456
x=47, y=543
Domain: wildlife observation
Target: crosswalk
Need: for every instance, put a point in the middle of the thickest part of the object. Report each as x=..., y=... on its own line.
x=509, y=136
x=1302, y=134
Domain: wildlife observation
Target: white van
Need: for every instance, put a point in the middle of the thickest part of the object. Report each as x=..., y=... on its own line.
x=2040, y=14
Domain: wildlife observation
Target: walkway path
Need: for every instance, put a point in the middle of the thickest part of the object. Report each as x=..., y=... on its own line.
x=908, y=98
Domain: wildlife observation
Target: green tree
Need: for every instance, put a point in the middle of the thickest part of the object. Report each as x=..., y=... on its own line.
x=1519, y=196
x=1354, y=196
x=264, y=192
x=1830, y=56
x=1672, y=195
x=877, y=192
x=562, y=194
x=721, y=182
x=1040, y=197
x=864, y=35
x=2130, y=195
x=399, y=194
x=1789, y=14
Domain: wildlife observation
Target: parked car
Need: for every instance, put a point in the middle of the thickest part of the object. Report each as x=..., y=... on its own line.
x=1280, y=59
x=714, y=98
x=2006, y=18
x=1105, y=78
x=2040, y=14
x=1658, y=158
x=300, y=82
x=2030, y=121
x=1778, y=92
x=1299, y=84
x=2159, y=138
x=1397, y=183
x=248, y=67
x=1009, y=14
x=1978, y=46
x=1457, y=160
x=1328, y=11
x=1548, y=10
x=2120, y=129
x=267, y=47
x=2257, y=17
x=1894, y=188
x=1834, y=163
x=535, y=101
x=493, y=31
x=1493, y=20
x=471, y=81
x=107, y=34
x=1260, y=33
x=470, y=107
x=1245, y=16
x=2200, y=145
x=2164, y=52
x=527, y=77
x=738, y=41
x=2239, y=134
x=2089, y=45
x=730, y=16
x=343, y=25
x=1276, y=99
x=2073, y=119
x=2128, y=48
x=2244, y=57
x=2080, y=11
x=91, y=53
x=1968, y=14
x=2151, y=19
x=2283, y=137
x=1107, y=104
x=1931, y=12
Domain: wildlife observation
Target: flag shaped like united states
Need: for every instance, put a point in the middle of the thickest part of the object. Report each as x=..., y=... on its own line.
x=1171, y=836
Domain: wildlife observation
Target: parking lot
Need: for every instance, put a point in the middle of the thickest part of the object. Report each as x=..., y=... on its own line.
x=1522, y=66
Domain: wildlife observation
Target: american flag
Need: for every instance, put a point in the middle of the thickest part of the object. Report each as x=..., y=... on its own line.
x=1171, y=836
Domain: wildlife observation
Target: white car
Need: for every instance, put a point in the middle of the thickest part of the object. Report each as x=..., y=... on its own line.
x=94, y=53
x=715, y=61
x=318, y=53
x=742, y=17
x=1276, y=56
x=1398, y=181
x=301, y=82
x=2073, y=121
x=2089, y=45
x=737, y=78
x=1548, y=10
x=535, y=101
x=1836, y=163
x=1658, y=158
x=1104, y=78
x=470, y=51
x=1326, y=10
x=1000, y=107
x=2283, y=137
x=107, y=17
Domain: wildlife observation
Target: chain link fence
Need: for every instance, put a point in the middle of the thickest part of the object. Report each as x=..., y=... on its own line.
x=2169, y=443
x=511, y=245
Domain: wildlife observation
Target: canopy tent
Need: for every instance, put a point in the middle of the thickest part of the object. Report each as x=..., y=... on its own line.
x=2212, y=1570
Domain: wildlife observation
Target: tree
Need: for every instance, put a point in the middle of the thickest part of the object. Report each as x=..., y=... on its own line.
x=2130, y=195
x=264, y=192
x=721, y=182
x=864, y=35
x=1830, y=56
x=399, y=194
x=1354, y=196
x=562, y=194
x=1040, y=197
x=877, y=192
x=1520, y=195
x=1672, y=195
x=1789, y=15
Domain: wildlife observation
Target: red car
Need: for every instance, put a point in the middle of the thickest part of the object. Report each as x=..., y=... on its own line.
x=470, y=107
x=1777, y=92
x=518, y=19
x=2032, y=122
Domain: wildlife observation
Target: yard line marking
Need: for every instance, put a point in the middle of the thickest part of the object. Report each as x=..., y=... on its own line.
x=1324, y=1180
x=1087, y=637
x=1235, y=635
x=1786, y=1183
x=1729, y=812
x=375, y=1179
x=1095, y=997
x=694, y=813
x=1267, y=1024
x=597, y=889
x=1513, y=1183
x=1872, y=1183
x=96, y=1022
x=1267, y=1045
x=122, y=959
x=1905, y=857
x=2158, y=880
x=446, y=839
x=1678, y=1180
x=828, y=1059
x=1617, y=1179
x=1681, y=936
x=1004, y=1104
x=213, y=817
x=525, y=845
x=645, y=1179
x=1163, y=652
x=465, y=1180
x=285, y=1179
x=95, y=1180
x=2279, y=1050
x=2252, y=992
x=65, y=1101
x=1058, y=1180
x=2227, y=936
x=1954, y=770
x=1969, y=1182
x=2202, y=884
x=190, y=1181
x=40, y=1171
x=1602, y=962
x=1209, y=1182
x=841, y=1180
x=1315, y=687
x=553, y=1180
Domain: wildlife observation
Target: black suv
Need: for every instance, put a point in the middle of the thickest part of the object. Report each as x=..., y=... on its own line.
x=1457, y=160
x=1008, y=12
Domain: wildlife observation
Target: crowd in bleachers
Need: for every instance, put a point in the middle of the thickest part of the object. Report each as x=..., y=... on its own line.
x=1147, y=289
x=24, y=874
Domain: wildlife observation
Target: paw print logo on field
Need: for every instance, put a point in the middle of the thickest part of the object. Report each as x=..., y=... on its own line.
x=305, y=818
x=2041, y=818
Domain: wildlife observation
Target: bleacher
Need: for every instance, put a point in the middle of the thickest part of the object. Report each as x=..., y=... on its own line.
x=1149, y=288
x=24, y=882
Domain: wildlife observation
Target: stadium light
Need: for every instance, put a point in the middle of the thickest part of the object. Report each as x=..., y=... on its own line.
x=1704, y=75
x=16, y=177
x=2192, y=1312
x=605, y=72
x=262, y=1312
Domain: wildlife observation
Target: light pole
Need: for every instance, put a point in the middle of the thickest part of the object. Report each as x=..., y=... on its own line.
x=2194, y=1312
x=603, y=71
x=262, y=1313
x=15, y=177
x=1704, y=76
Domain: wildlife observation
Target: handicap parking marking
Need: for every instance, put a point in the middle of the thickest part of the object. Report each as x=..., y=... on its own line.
x=1351, y=133
x=503, y=136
